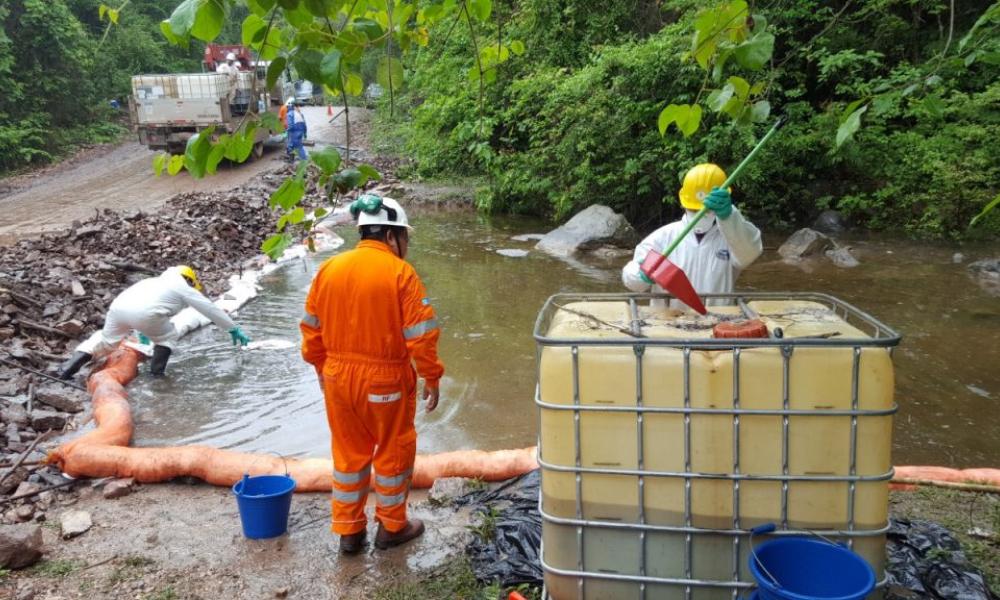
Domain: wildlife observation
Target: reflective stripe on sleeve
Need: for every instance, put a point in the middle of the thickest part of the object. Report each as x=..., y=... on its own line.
x=349, y=478
x=419, y=329
x=310, y=320
x=394, y=481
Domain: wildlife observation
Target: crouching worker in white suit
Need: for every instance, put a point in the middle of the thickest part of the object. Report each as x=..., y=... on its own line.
x=147, y=307
x=724, y=242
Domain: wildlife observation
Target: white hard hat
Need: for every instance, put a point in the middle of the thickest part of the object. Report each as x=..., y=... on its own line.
x=290, y=101
x=230, y=56
x=391, y=214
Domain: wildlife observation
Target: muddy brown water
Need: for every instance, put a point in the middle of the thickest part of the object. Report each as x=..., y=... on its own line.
x=947, y=386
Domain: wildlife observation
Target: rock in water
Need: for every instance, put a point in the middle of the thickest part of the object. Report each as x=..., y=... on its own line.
x=593, y=226
x=842, y=257
x=804, y=242
x=987, y=273
x=512, y=252
x=831, y=222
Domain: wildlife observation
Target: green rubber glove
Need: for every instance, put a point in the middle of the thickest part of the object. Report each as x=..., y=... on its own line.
x=645, y=277
x=145, y=341
x=719, y=202
x=239, y=338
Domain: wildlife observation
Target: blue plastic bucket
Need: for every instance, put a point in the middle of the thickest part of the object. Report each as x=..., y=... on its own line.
x=264, y=502
x=800, y=568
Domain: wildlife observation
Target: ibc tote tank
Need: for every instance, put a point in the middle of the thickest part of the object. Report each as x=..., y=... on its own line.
x=659, y=450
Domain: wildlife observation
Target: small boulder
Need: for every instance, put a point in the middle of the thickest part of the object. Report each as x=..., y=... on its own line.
x=528, y=237
x=20, y=545
x=73, y=327
x=512, y=252
x=118, y=488
x=804, y=242
x=74, y=522
x=594, y=226
x=24, y=513
x=958, y=258
x=58, y=400
x=44, y=420
x=13, y=480
x=14, y=414
x=987, y=274
x=830, y=222
x=842, y=257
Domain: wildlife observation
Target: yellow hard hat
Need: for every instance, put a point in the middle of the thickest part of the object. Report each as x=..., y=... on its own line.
x=698, y=182
x=189, y=274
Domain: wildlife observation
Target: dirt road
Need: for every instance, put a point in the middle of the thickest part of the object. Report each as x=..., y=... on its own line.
x=123, y=180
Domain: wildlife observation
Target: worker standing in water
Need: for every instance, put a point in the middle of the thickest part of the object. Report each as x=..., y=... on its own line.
x=147, y=307
x=724, y=242
x=367, y=323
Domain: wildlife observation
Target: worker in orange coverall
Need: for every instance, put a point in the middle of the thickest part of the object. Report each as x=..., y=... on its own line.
x=367, y=322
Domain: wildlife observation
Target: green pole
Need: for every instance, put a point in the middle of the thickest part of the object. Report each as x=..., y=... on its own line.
x=729, y=180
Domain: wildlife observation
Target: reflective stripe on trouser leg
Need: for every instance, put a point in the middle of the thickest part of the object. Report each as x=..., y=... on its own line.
x=348, y=498
x=391, y=492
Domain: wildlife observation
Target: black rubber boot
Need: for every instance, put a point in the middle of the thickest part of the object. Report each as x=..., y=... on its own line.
x=71, y=366
x=158, y=364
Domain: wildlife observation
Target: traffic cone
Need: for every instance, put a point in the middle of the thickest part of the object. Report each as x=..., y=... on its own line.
x=329, y=110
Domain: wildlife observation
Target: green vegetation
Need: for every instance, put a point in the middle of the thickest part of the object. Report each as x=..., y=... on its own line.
x=58, y=78
x=56, y=568
x=892, y=105
x=962, y=513
x=455, y=581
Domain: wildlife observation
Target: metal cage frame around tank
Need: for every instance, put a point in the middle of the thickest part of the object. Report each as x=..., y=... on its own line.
x=881, y=336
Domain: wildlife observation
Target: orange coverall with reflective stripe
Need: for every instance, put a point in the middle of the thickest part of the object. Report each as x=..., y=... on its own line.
x=367, y=322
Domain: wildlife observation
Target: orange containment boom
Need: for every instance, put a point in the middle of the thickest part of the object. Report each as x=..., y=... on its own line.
x=973, y=480
x=104, y=452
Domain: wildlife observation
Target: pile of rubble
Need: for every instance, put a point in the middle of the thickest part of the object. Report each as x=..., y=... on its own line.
x=55, y=290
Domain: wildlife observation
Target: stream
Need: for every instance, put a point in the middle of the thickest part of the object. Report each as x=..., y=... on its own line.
x=267, y=400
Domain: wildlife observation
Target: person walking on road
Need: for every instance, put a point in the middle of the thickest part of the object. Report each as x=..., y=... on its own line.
x=147, y=307
x=724, y=242
x=367, y=323
x=296, y=124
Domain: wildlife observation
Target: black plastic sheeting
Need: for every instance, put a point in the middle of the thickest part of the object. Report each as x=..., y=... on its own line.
x=924, y=560
x=511, y=556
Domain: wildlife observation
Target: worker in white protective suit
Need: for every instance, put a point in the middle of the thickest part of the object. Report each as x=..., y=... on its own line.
x=147, y=307
x=229, y=67
x=720, y=246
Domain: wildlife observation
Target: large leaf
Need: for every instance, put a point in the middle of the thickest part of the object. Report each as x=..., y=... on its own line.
x=307, y=63
x=324, y=8
x=390, y=72
x=351, y=45
x=368, y=173
x=754, y=53
x=253, y=26
x=196, y=152
x=346, y=180
x=718, y=99
x=760, y=111
x=216, y=154
x=327, y=159
x=850, y=125
x=368, y=28
x=725, y=22
x=330, y=69
x=299, y=18
x=175, y=164
x=274, y=71
x=209, y=20
x=687, y=118
x=276, y=245
x=168, y=33
x=517, y=47
x=480, y=9
x=260, y=7
x=989, y=208
x=354, y=85
x=271, y=122
x=159, y=163
x=183, y=17
x=288, y=194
